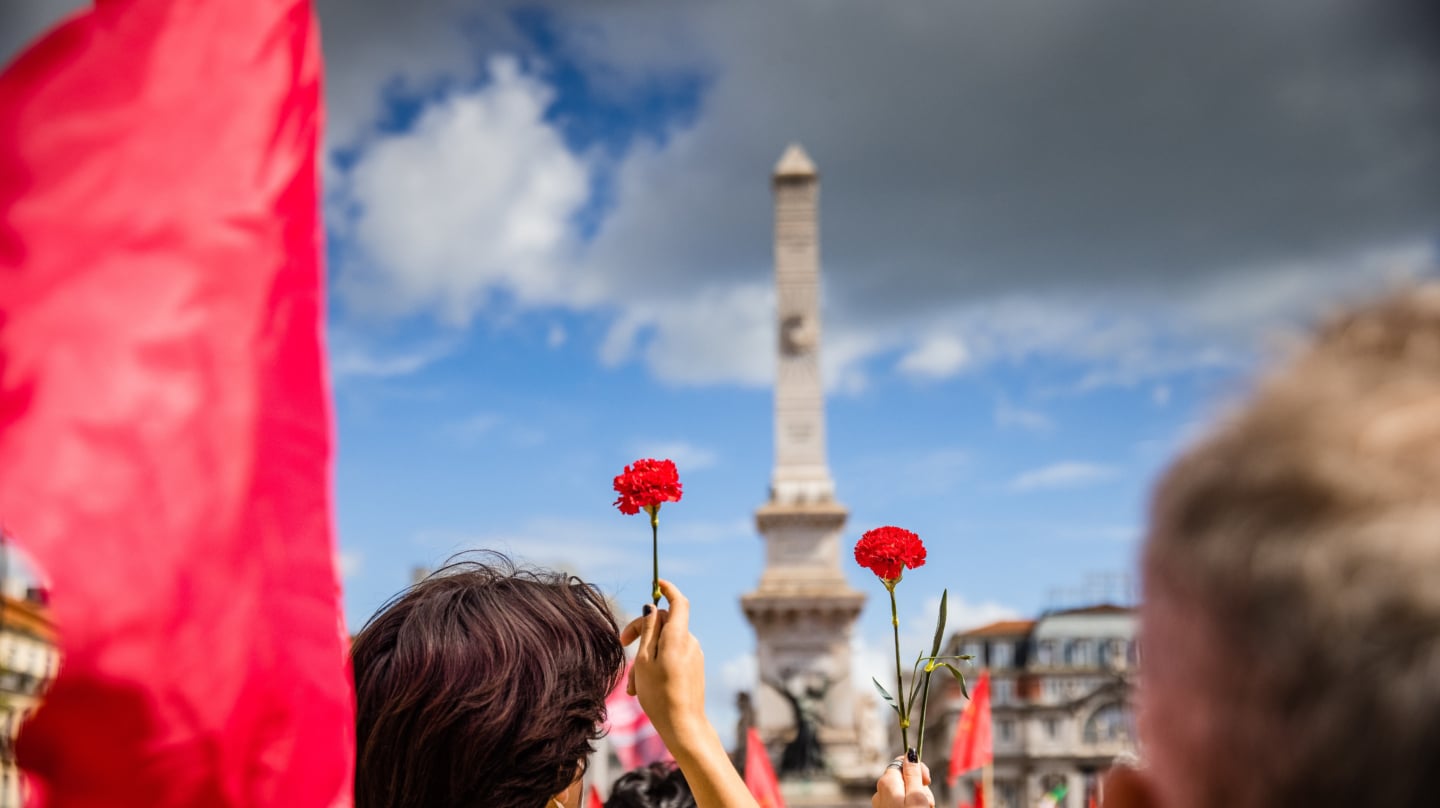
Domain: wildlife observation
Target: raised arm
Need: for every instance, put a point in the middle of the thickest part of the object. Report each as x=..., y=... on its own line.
x=669, y=679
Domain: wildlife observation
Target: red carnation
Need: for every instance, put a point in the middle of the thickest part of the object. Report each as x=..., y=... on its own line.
x=889, y=551
x=645, y=484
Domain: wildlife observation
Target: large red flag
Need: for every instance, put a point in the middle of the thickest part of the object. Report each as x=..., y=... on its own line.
x=973, y=746
x=759, y=774
x=164, y=420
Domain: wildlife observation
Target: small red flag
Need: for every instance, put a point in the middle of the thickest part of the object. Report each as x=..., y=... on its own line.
x=973, y=747
x=594, y=801
x=759, y=774
x=979, y=798
x=164, y=419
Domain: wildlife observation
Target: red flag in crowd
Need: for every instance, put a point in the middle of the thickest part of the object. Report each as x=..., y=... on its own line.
x=629, y=731
x=594, y=801
x=973, y=747
x=164, y=421
x=979, y=799
x=759, y=774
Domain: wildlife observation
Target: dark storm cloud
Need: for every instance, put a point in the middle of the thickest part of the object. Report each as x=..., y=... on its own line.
x=973, y=150
x=1175, y=170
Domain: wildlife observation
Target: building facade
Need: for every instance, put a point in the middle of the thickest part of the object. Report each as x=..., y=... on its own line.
x=1060, y=704
x=29, y=660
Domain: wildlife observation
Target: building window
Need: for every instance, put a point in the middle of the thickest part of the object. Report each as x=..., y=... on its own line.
x=1052, y=728
x=1009, y=793
x=1109, y=724
x=1000, y=654
x=1006, y=728
x=1002, y=691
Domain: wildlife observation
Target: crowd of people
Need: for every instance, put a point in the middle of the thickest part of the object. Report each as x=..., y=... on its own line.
x=1290, y=625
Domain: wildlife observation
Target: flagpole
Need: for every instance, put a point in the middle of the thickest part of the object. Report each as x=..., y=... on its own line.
x=987, y=784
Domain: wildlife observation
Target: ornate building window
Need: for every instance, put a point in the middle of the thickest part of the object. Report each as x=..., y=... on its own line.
x=1108, y=724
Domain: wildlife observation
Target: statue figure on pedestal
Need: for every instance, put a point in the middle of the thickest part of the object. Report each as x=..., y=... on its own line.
x=804, y=755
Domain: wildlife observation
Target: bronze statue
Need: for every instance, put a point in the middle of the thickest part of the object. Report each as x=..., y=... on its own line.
x=803, y=755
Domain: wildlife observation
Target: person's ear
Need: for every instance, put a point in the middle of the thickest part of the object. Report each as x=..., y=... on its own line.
x=1127, y=787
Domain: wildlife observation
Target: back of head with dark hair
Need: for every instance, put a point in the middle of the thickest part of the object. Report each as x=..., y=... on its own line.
x=658, y=785
x=482, y=685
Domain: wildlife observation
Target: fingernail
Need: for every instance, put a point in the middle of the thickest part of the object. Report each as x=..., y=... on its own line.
x=911, y=756
x=647, y=609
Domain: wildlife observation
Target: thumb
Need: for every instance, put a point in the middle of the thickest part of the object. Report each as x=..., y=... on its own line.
x=917, y=794
x=649, y=633
x=911, y=774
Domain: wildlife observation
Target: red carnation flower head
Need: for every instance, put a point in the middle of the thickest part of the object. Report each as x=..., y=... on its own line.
x=646, y=483
x=889, y=551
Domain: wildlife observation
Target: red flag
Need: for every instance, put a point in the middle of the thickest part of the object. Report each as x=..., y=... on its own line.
x=594, y=801
x=629, y=731
x=973, y=747
x=164, y=420
x=759, y=775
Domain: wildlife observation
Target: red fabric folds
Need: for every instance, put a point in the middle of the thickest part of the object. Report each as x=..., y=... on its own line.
x=165, y=440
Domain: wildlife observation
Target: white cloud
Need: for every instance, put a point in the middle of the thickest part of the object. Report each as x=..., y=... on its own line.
x=918, y=628
x=1160, y=395
x=476, y=426
x=555, y=337
x=687, y=456
x=720, y=334
x=477, y=198
x=349, y=563
x=1069, y=474
x=992, y=247
x=739, y=673
x=594, y=549
x=348, y=361
x=1009, y=415
x=937, y=357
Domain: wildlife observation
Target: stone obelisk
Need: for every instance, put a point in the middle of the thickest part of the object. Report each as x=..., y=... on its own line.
x=803, y=610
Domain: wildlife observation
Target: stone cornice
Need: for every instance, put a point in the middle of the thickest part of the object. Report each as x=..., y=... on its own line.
x=811, y=514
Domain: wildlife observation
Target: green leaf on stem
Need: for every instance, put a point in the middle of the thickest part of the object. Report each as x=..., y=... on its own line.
x=959, y=677
x=885, y=694
x=940, y=625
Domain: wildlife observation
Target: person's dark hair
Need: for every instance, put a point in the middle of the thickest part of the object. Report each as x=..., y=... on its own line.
x=482, y=685
x=658, y=785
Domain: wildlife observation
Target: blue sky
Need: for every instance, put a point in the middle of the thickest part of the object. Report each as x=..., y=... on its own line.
x=1056, y=240
x=1045, y=270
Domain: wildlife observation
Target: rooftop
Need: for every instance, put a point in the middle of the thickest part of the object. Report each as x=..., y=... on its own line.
x=1001, y=628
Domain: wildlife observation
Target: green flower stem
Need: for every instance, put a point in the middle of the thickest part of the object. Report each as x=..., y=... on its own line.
x=655, y=554
x=899, y=682
x=924, y=703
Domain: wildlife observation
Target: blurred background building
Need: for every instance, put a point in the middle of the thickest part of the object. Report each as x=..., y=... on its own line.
x=29, y=659
x=1060, y=695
